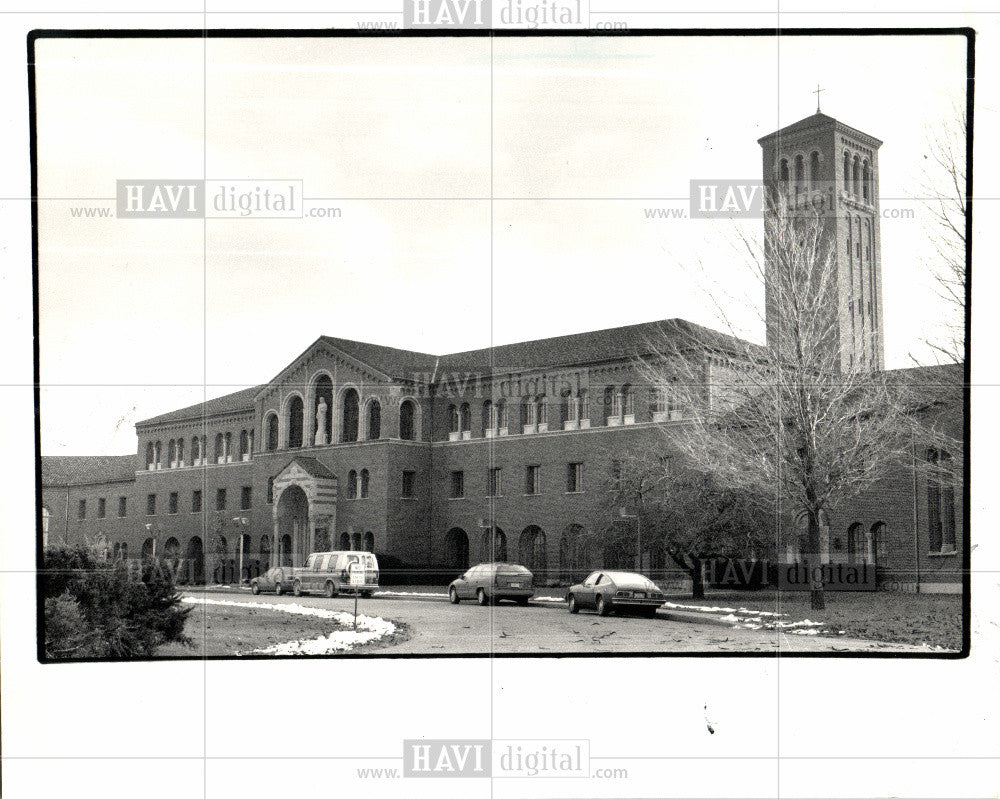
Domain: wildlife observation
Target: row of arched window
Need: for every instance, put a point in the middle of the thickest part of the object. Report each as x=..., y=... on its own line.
x=801, y=174
x=353, y=425
x=357, y=484
x=175, y=456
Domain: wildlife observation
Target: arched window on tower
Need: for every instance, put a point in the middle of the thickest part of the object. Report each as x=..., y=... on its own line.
x=856, y=177
x=369, y=542
x=783, y=176
x=363, y=487
x=800, y=174
x=814, y=170
x=847, y=173
x=454, y=432
x=352, y=484
x=866, y=181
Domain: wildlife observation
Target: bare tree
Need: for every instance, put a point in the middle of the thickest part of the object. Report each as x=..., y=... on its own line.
x=794, y=420
x=688, y=515
x=943, y=185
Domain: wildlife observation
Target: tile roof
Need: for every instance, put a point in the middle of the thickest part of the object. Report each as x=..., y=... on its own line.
x=66, y=470
x=312, y=467
x=237, y=401
x=397, y=363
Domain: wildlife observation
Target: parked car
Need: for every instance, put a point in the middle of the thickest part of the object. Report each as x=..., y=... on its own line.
x=490, y=582
x=329, y=572
x=608, y=591
x=272, y=580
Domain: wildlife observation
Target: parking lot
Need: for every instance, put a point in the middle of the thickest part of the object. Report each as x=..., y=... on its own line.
x=437, y=627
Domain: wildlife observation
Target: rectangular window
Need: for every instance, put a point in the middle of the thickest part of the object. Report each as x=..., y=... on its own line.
x=532, y=480
x=496, y=482
x=220, y=499
x=172, y=502
x=270, y=490
x=81, y=510
x=574, y=477
x=196, y=501
x=457, y=485
x=102, y=509
x=245, y=497
x=409, y=480
x=122, y=506
x=150, y=504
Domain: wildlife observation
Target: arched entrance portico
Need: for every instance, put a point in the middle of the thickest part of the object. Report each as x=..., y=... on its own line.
x=305, y=509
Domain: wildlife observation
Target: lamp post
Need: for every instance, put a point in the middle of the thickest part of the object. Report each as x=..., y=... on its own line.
x=242, y=521
x=638, y=534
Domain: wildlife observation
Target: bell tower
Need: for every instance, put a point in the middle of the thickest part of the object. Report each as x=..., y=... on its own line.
x=820, y=160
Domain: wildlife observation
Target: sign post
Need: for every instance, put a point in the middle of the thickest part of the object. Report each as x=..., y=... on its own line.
x=357, y=574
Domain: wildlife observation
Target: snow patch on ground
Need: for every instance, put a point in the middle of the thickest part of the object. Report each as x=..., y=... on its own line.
x=370, y=628
x=548, y=599
x=407, y=593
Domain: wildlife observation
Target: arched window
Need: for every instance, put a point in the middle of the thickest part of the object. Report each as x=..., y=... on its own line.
x=879, y=543
x=489, y=418
x=364, y=484
x=172, y=549
x=322, y=432
x=464, y=418
x=356, y=541
x=374, y=422
x=494, y=548
x=406, y=421
x=456, y=549
x=501, y=413
x=612, y=404
x=265, y=550
x=583, y=400
x=783, y=175
x=352, y=484
x=220, y=448
x=814, y=169
x=271, y=437
x=847, y=173
x=196, y=454
x=295, y=422
x=369, y=542
x=349, y=417
x=543, y=410
x=150, y=456
x=453, y=420
x=172, y=453
x=229, y=447
x=628, y=401
x=345, y=541
x=244, y=445
x=180, y=451
x=147, y=549
x=800, y=173
x=531, y=550
x=866, y=181
x=940, y=502
x=857, y=544
x=529, y=414
x=856, y=177
x=158, y=455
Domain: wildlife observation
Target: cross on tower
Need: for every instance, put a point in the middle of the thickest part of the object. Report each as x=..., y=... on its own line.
x=816, y=92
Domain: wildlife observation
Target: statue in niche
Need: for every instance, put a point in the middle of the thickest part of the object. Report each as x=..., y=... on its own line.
x=321, y=435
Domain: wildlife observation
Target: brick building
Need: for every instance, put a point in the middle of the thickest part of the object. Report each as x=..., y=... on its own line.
x=442, y=461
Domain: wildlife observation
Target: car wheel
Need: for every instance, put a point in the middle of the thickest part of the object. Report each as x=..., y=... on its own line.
x=366, y=594
x=278, y=590
x=254, y=588
x=453, y=595
x=603, y=606
x=330, y=590
x=297, y=588
x=481, y=597
x=573, y=606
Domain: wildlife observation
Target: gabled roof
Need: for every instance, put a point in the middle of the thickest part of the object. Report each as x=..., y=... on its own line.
x=820, y=120
x=311, y=466
x=615, y=343
x=396, y=363
x=230, y=403
x=67, y=470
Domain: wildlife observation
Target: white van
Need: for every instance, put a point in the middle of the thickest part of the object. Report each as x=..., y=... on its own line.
x=330, y=573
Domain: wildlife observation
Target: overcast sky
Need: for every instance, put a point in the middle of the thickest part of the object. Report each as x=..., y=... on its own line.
x=139, y=317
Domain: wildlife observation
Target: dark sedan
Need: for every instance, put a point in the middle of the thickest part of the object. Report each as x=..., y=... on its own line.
x=609, y=591
x=272, y=580
x=490, y=582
